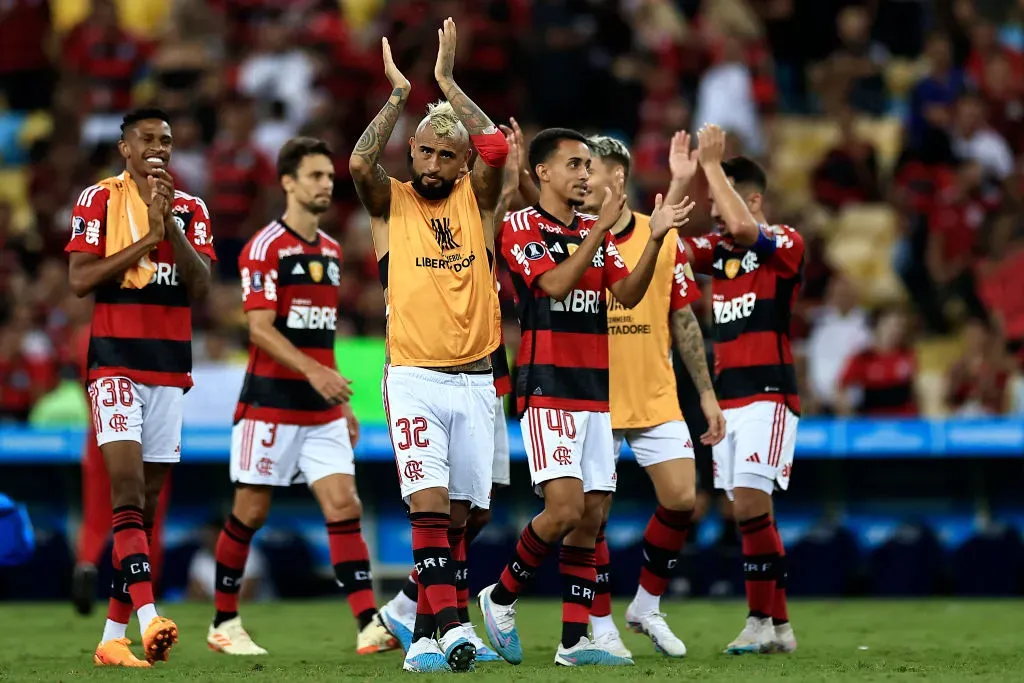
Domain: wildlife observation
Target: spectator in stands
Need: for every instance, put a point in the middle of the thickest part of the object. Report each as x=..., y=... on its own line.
x=839, y=332
x=932, y=98
x=849, y=172
x=985, y=46
x=26, y=74
x=1004, y=100
x=239, y=175
x=953, y=239
x=27, y=366
x=976, y=383
x=852, y=75
x=725, y=97
x=879, y=381
x=974, y=140
x=279, y=71
x=108, y=63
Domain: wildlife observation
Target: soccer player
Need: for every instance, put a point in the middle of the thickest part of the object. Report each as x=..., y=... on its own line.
x=144, y=249
x=294, y=422
x=644, y=408
x=95, y=528
x=399, y=615
x=562, y=262
x=755, y=269
x=436, y=266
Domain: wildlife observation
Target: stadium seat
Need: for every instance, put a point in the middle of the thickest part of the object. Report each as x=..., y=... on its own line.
x=909, y=563
x=989, y=563
x=823, y=562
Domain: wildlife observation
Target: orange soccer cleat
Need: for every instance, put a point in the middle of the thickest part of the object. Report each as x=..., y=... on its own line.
x=160, y=635
x=117, y=653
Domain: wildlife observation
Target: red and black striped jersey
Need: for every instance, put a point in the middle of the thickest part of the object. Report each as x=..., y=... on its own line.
x=299, y=281
x=884, y=380
x=752, y=292
x=563, y=358
x=142, y=334
x=499, y=365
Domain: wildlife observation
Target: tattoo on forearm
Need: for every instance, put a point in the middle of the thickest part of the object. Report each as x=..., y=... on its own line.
x=690, y=343
x=376, y=135
x=472, y=117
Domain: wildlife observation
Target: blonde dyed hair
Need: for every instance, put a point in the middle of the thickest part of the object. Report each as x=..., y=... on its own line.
x=443, y=121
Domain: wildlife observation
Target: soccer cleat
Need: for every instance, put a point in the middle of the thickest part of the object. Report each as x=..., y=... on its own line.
x=231, y=639
x=588, y=653
x=375, y=638
x=397, y=624
x=458, y=651
x=500, y=625
x=83, y=588
x=160, y=635
x=425, y=656
x=483, y=653
x=755, y=637
x=612, y=642
x=784, y=640
x=117, y=653
x=653, y=626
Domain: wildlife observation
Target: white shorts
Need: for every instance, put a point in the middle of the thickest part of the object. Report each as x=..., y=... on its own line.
x=657, y=444
x=757, y=451
x=149, y=415
x=501, y=470
x=577, y=444
x=442, y=430
x=271, y=454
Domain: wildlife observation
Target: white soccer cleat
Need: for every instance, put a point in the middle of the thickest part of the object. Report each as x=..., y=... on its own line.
x=612, y=642
x=654, y=626
x=500, y=625
x=483, y=653
x=588, y=653
x=231, y=639
x=398, y=623
x=784, y=640
x=755, y=637
x=458, y=650
x=425, y=656
x=375, y=638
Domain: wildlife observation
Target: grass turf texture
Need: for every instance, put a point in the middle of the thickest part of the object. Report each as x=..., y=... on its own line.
x=907, y=640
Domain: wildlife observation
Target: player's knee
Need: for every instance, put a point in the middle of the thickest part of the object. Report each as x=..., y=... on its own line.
x=750, y=503
x=343, y=508
x=565, y=514
x=251, y=511
x=678, y=499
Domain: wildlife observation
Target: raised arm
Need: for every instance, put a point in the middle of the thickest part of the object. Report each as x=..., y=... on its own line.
x=371, y=180
x=735, y=214
x=490, y=143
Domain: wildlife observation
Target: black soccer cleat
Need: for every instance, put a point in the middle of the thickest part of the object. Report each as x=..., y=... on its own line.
x=83, y=588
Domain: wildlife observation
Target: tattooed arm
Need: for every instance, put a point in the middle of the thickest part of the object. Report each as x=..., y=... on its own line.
x=486, y=179
x=371, y=180
x=690, y=344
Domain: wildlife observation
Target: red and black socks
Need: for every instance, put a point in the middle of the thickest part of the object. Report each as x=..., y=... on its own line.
x=351, y=561
x=518, y=574
x=231, y=553
x=602, y=606
x=131, y=547
x=457, y=540
x=760, y=559
x=664, y=538
x=780, y=613
x=579, y=585
x=435, y=567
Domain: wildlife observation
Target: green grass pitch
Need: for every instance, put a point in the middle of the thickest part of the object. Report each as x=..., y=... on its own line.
x=933, y=640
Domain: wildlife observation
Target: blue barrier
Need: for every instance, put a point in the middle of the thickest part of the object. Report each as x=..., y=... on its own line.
x=816, y=439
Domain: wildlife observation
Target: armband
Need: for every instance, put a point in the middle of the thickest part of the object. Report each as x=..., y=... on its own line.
x=492, y=148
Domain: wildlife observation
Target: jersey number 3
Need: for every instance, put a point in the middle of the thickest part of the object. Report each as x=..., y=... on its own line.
x=412, y=433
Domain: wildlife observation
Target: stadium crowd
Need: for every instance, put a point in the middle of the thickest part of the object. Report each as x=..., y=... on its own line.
x=893, y=131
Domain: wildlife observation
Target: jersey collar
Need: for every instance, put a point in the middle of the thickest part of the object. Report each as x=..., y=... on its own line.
x=547, y=216
x=314, y=243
